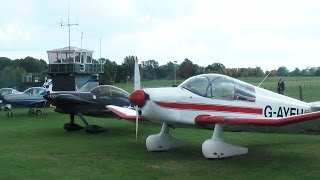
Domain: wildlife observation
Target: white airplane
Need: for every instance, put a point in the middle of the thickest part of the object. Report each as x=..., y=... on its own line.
x=216, y=101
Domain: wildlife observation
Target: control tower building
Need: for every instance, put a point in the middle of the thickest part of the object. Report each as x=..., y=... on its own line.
x=71, y=67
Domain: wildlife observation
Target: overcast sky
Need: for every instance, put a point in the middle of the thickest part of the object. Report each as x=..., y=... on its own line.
x=236, y=33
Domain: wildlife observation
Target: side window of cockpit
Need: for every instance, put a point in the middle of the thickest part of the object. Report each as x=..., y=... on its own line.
x=223, y=89
x=28, y=92
x=200, y=86
x=39, y=91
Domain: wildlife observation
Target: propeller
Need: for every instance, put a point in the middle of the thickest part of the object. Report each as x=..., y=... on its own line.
x=45, y=102
x=137, y=86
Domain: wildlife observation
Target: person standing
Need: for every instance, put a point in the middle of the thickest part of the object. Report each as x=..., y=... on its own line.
x=281, y=86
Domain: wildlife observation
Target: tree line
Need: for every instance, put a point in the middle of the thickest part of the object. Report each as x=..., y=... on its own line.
x=152, y=70
x=11, y=70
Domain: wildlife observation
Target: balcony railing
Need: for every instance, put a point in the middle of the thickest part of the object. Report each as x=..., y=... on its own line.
x=76, y=68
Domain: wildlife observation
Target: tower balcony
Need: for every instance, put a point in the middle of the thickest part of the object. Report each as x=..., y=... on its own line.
x=75, y=68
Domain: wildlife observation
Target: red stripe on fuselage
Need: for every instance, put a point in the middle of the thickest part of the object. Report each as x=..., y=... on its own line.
x=210, y=107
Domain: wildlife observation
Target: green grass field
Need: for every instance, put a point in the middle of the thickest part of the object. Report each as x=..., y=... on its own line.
x=38, y=148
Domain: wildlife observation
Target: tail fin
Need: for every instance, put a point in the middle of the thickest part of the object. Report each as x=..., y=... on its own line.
x=137, y=84
x=48, y=85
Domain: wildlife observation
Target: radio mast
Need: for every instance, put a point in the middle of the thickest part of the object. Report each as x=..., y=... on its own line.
x=68, y=24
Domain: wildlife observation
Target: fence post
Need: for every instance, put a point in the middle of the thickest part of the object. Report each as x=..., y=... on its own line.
x=300, y=91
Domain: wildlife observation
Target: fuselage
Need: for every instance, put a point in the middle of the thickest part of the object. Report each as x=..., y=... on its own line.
x=89, y=103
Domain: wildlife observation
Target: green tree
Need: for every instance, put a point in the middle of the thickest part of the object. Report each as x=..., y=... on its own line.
x=216, y=68
x=11, y=76
x=150, y=69
x=4, y=62
x=257, y=72
x=282, y=71
x=128, y=66
x=317, y=73
x=186, y=69
x=296, y=72
x=110, y=72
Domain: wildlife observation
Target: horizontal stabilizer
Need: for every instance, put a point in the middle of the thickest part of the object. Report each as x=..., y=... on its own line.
x=315, y=106
x=208, y=119
x=124, y=112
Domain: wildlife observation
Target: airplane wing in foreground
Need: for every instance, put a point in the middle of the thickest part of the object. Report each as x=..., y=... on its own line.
x=124, y=112
x=208, y=119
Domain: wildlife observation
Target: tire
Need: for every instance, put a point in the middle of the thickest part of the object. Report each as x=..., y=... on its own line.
x=38, y=112
x=31, y=111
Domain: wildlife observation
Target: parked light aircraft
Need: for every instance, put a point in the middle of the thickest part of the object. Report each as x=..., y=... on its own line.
x=217, y=102
x=31, y=97
x=91, y=103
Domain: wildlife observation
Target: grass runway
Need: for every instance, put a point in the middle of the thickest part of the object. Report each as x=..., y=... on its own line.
x=39, y=148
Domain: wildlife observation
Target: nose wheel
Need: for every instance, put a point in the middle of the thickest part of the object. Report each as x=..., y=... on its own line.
x=37, y=112
x=31, y=111
x=9, y=114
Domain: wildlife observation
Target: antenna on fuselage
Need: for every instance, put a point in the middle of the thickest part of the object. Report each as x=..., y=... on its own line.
x=264, y=78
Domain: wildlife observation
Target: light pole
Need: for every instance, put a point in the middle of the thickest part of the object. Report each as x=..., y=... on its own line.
x=174, y=69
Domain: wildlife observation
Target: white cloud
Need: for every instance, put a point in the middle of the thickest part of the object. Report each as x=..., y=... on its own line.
x=10, y=33
x=236, y=33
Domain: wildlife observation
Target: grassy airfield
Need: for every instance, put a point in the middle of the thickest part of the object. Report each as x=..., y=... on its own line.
x=38, y=148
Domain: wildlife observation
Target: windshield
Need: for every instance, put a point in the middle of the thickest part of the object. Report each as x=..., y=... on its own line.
x=219, y=87
x=35, y=91
x=6, y=91
x=199, y=85
x=109, y=91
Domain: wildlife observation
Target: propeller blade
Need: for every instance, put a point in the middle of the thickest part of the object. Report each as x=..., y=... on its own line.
x=45, y=103
x=137, y=122
x=137, y=86
x=136, y=75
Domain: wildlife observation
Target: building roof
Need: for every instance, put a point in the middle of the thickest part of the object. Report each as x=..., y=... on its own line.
x=72, y=49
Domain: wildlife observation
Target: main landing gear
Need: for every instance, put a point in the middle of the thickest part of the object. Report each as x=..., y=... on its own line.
x=37, y=112
x=211, y=148
x=31, y=111
x=217, y=148
x=72, y=126
x=162, y=141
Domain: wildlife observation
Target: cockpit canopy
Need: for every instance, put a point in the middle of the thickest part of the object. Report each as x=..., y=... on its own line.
x=109, y=91
x=35, y=91
x=6, y=91
x=220, y=87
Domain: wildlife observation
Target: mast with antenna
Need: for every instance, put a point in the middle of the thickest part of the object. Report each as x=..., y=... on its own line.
x=81, y=48
x=68, y=24
x=100, y=49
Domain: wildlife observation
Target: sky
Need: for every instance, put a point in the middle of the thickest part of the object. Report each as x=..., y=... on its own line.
x=246, y=33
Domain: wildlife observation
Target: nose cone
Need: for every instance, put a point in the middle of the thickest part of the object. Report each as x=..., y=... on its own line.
x=46, y=96
x=138, y=98
x=49, y=97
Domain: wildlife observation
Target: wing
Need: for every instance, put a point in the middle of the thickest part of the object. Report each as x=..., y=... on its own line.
x=208, y=119
x=124, y=112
